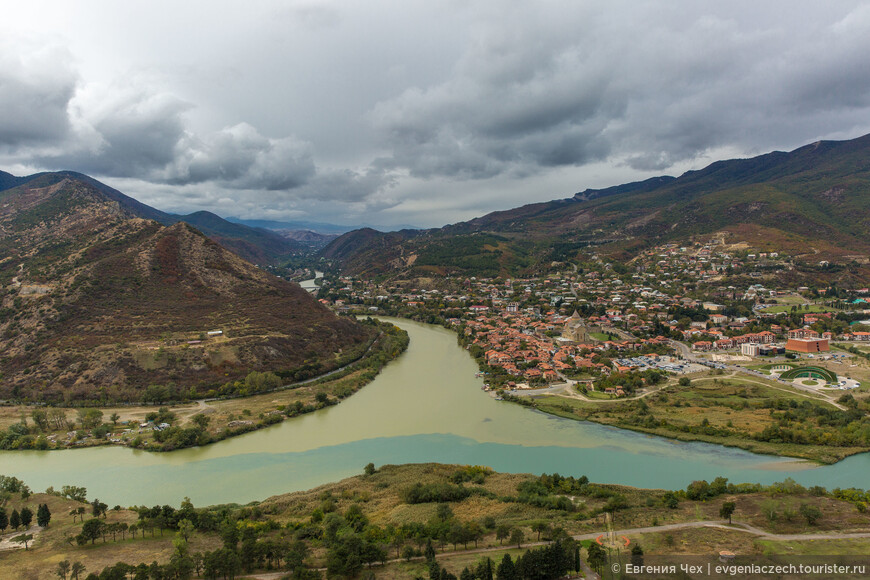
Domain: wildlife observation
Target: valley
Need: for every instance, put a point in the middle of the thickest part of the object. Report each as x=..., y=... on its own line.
x=712, y=356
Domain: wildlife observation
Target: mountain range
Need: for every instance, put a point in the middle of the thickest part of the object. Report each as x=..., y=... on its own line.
x=813, y=203
x=257, y=245
x=100, y=300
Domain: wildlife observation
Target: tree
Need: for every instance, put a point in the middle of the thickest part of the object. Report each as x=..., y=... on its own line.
x=4, y=520
x=443, y=512
x=637, y=555
x=596, y=555
x=698, y=490
x=355, y=517
x=74, y=492
x=229, y=535
x=201, y=420
x=90, y=418
x=506, y=569
x=502, y=532
x=43, y=515
x=15, y=520
x=370, y=469
x=727, y=510
x=98, y=508
x=62, y=569
x=474, y=532
x=810, y=513
x=26, y=516
x=457, y=534
x=91, y=530
x=76, y=569
x=430, y=551
x=23, y=539
x=40, y=417
x=114, y=418
x=484, y=569
x=517, y=537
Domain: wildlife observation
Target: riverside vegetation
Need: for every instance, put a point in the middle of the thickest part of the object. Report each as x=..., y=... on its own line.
x=420, y=521
x=746, y=413
x=240, y=406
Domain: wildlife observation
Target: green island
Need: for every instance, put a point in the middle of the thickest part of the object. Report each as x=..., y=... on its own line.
x=424, y=521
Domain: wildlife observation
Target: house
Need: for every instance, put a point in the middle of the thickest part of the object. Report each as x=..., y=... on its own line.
x=801, y=333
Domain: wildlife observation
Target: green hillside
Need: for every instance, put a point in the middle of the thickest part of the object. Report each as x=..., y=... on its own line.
x=813, y=202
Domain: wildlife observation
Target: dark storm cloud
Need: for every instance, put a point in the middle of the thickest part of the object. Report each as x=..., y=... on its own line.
x=638, y=85
x=122, y=131
x=36, y=85
x=140, y=132
x=239, y=157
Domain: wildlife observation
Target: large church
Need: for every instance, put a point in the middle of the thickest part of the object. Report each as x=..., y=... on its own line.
x=576, y=330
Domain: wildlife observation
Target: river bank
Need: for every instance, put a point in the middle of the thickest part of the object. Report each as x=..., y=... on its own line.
x=734, y=412
x=427, y=405
x=391, y=509
x=199, y=422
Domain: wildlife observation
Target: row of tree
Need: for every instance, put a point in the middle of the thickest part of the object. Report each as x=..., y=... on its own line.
x=24, y=517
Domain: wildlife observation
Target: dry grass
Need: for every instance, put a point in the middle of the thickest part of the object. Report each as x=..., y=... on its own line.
x=51, y=545
x=379, y=497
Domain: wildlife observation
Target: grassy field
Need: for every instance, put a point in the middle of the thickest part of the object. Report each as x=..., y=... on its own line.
x=380, y=498
x=804, y=308
x=51, y=545
x=732, y=411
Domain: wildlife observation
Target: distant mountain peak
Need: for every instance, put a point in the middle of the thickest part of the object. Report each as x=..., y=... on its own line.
x=816, y=196
x=253, y=244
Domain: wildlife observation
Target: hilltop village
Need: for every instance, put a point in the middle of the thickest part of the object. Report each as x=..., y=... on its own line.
x=671, y=309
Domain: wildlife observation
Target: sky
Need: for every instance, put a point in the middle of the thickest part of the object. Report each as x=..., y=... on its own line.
x=416, y=112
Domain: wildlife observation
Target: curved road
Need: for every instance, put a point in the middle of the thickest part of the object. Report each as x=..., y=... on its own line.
x=736, y=527
x=686, y=353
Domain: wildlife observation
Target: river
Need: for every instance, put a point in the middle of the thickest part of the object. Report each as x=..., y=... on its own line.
x=425, y=406
x=311, y=284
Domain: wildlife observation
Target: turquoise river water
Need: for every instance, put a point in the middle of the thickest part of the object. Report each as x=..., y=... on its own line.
x=426, y=406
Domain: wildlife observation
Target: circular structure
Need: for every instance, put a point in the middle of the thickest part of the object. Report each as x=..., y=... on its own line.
x=810, y=372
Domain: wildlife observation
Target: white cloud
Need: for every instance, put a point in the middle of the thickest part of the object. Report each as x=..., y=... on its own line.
x=375, y=111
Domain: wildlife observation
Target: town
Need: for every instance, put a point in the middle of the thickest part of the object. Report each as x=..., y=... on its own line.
x=674, y=309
